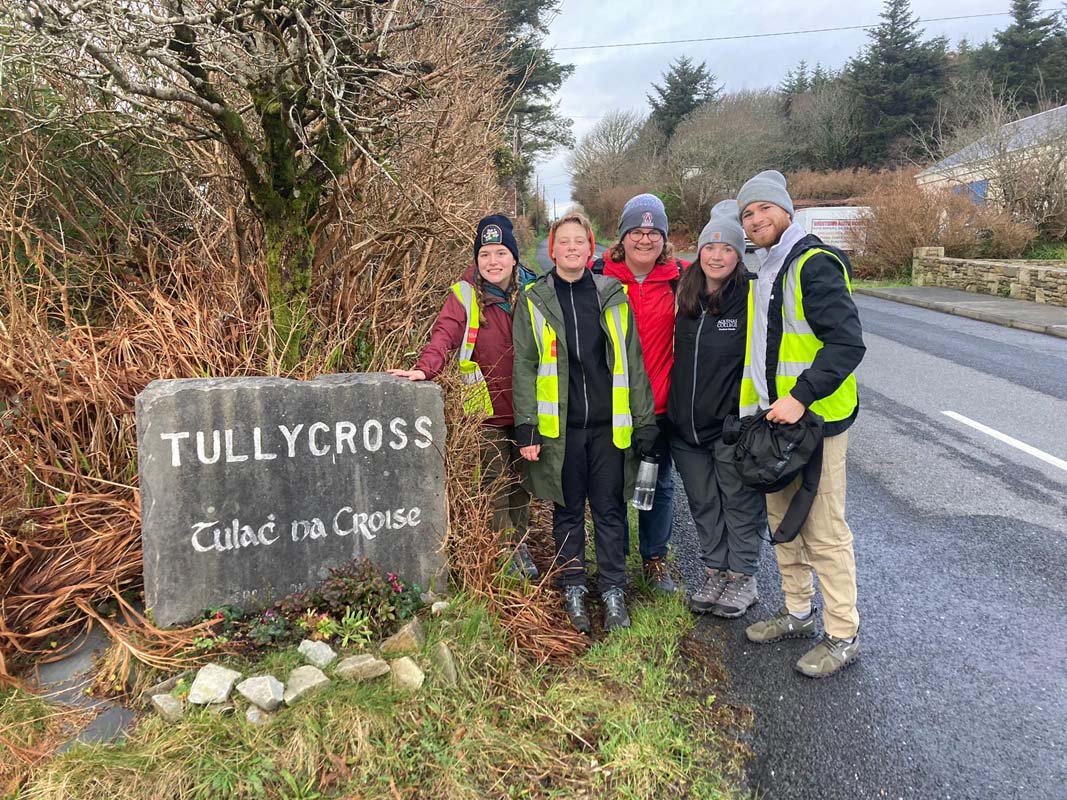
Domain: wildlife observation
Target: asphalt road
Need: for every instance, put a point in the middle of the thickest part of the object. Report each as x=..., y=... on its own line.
x=961, y=544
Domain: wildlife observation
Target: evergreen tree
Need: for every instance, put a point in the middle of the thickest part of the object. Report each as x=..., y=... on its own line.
x=686, y=87
x=897, y=80
x=533, y=78
x=796, y=82
x=1017, y=60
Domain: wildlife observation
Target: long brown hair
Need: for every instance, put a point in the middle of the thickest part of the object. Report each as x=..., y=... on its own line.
x=693, y=289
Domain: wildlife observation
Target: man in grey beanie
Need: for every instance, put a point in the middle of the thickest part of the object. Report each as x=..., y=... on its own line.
x=805, y=342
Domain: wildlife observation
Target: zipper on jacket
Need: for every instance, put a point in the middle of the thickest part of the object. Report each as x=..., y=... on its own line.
x=696, y=361
x=578, y=350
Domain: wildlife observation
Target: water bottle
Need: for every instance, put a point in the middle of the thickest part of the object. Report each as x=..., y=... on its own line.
x=645, y=487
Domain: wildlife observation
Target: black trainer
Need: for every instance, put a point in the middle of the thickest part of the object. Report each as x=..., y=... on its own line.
x=615, y=614
x=574, y=607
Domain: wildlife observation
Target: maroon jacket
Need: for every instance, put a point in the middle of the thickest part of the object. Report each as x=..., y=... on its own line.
x=493, y=351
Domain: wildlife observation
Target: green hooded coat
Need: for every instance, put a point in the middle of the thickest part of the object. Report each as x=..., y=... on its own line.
x=543, y=477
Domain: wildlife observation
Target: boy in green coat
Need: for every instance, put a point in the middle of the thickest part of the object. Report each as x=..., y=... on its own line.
x=583, y=403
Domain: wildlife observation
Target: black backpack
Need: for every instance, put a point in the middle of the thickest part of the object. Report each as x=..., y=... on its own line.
x=770, y=455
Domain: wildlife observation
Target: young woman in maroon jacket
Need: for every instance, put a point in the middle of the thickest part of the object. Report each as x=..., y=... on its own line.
x=475, y=322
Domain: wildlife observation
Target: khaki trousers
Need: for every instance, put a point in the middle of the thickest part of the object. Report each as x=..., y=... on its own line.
x=823, y=548
x=511, y=502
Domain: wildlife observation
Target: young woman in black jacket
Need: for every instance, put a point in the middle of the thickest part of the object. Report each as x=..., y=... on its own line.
x=709, y=353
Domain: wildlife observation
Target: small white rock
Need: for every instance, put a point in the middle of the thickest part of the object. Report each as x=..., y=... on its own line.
x=439, y=608
x=301, y=681
x=263, y=691
x=168, y=707
x=318, y=654
x=212, y=684
x=362, y=667
x=445, y=662
x=406, y=674
x=257, y=716
x=408, y=638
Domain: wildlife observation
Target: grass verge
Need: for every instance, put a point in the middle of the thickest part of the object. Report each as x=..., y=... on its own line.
x=631, y=718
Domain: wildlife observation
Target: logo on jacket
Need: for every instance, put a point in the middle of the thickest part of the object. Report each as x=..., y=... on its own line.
x=646, y=220
x=727, y=325
x=492, y=235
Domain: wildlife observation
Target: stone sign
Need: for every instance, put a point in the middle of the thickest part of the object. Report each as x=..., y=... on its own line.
x=253, y=488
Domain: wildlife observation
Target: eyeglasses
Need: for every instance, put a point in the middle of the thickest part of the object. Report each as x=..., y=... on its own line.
x=636, y=235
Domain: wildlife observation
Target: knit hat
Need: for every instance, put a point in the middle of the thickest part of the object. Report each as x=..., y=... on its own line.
x=723, y=227
x=495, y=229
x=643, y=211
x=768, y=187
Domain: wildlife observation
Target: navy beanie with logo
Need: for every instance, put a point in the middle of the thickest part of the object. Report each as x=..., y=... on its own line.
x=496, y=229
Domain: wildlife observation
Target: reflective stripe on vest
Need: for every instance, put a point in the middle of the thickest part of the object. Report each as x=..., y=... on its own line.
x=797, y=350
x=618, y=324
x=547, y=374
x=476, y=398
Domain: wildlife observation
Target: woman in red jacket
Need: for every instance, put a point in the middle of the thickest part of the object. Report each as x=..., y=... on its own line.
x=643, y=260
x=475, y=322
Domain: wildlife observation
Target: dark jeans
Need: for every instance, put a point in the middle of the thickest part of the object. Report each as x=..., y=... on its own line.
x=654, y=526
x=728, y=515
x=593, y=471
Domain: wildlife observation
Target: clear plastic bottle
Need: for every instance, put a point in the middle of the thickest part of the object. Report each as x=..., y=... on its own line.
x=645, y=486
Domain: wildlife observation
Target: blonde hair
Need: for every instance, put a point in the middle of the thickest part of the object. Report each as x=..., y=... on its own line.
x=578, y=219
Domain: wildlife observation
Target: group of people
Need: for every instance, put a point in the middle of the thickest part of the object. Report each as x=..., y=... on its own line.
x=599, y=363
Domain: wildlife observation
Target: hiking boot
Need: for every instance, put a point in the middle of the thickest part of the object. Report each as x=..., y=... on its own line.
x=738, y=596
x=829, y=656
x=708, y=594
x=782, y=625
x=655, y=572
x=574, y=607
x=522, y=565
x=615, y=615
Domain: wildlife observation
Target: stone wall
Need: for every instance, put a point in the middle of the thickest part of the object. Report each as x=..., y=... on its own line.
x=1038, y=281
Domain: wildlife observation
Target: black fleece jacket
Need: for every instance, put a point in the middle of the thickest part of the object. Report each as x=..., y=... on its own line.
x=834, y=319
x=588, y=374
x=709, y=356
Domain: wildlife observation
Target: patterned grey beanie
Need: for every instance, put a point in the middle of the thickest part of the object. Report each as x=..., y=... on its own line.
x=643, y=211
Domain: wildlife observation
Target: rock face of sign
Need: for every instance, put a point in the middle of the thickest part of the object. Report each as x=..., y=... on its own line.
x=253, y=488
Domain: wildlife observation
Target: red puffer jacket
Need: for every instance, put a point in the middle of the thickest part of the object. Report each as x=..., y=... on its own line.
x=652, y=302
x=493, y=351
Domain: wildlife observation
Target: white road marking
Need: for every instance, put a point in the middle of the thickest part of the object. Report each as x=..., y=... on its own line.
x=1026, y=448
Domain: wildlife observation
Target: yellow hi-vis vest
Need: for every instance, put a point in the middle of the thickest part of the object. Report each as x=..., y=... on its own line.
x=622, y=422
x=797, y=350
x=476, y=398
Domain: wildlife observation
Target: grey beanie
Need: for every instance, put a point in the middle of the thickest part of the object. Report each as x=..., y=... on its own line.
x=769, y=187
x=723, y=227
x=643, y=211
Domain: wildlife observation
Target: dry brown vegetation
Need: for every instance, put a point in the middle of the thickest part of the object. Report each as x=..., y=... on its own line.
x=904, y=216
x=842, y=184
x=121, y=264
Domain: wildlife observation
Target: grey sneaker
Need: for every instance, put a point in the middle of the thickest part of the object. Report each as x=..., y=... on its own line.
x=829, y=656
x=615, y=615
x=708, y=594
x=782, y=625
x=574, y=607
x=522, y=565
x=655, y=572
x=738, y=596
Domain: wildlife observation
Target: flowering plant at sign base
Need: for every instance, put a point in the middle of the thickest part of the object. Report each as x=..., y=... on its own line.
x=354, y=604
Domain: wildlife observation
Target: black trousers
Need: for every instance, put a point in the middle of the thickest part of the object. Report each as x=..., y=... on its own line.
x=593, y=471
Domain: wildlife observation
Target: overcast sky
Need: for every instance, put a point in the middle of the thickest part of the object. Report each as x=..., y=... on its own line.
x=620, y=78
